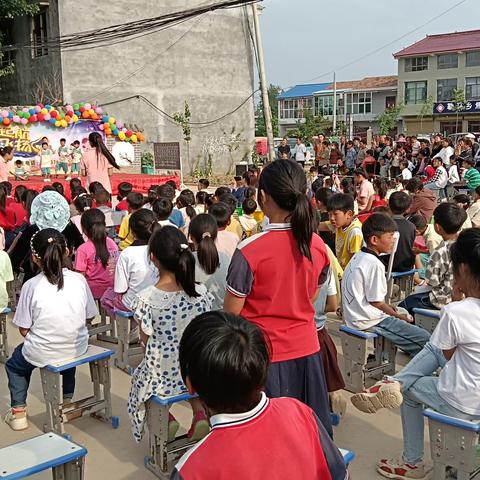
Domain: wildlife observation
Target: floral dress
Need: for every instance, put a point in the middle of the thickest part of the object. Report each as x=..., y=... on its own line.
x=163, y=316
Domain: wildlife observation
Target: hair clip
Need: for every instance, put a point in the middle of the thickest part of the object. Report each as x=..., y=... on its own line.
x=183, y=246
x=206, y=235
x=86, y=208
x=50, y=240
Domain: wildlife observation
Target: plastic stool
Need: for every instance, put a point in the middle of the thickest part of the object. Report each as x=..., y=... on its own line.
x=105, y=330
x=125, y=351
x=426, y=319
x=3, y=335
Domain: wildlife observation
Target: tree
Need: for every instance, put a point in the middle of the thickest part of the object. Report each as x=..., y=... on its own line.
x=312, y=126
x=426, y=110
x=459, y=104
x=388, y=120
x=260, y=128
x=183, y=119
x=9, y=9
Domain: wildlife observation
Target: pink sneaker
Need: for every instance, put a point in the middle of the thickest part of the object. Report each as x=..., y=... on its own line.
x=173, y=427
x=200, y=427
x=398, y=469
x=384, y=394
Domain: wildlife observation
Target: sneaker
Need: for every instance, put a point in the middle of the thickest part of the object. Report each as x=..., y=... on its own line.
x=398, y=469
x=384, y=394
x=338, y=403
x=16, y=419
x=173, y=427
x=200, y=427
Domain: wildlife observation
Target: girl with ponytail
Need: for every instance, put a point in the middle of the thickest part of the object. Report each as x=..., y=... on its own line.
x=273, y=281
x=211, y=265
x=51, y=315
x=186, y=205
x=163, y=311
x=97, y=257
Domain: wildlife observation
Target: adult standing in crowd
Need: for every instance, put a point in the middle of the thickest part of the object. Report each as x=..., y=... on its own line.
x=284, y=150
x=300, y=153
x=98, y=162
x=318, y=148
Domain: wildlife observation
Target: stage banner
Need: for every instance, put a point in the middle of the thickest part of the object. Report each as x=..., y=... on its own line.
x=27, y=139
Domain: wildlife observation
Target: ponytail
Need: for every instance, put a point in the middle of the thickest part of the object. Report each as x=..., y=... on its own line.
x=203, y=230
x=3, y=200
x=169, y=247
x=142, y=224
x=286, y=184
x=96, y=142
x=93, y=224
x=186, y=200
x=50, y=247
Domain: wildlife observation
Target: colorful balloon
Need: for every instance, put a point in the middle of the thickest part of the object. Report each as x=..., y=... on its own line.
x=88, y=106
x=23, y=121
x=121, y=136
x=58, y=123
x=47, y=117
x=6, y=121
x=128, y=133
x=134, y=138
x=40, y=117
x=37, y=109
x=16, y=119
x=111, y=120
x=75, y=118
x=44, y=111
x=32, y=119
x=76, y=106
x=101, y=126
x=52, y=121
x=119, y=124
x=4, y=113
x=85, y=114
x=99, y=110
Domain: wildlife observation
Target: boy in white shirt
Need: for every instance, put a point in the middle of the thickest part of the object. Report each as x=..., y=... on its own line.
x=406, y=173
x=455, y=348
x=226, y=241
x=364, y=287
x=473, y=211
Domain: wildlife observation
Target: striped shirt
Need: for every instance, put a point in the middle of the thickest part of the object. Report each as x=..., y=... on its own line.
x=439, y=275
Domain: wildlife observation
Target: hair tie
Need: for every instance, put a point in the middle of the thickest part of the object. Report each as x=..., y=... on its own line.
x=50, y=240
x=86, y=208
x=183, y=247
x=206, y=235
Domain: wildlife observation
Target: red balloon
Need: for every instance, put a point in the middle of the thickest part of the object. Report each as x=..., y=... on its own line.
x=32, y=119
x=40, y=117
x=41, y=105
x=82, y=109
x=128, y=133
x=54, y=114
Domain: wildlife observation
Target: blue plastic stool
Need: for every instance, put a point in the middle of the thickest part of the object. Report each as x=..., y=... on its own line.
x=427, y=319
x=405, y=283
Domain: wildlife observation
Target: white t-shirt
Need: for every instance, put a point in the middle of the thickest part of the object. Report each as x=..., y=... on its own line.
x=216, y=283
x=406, y=174
x=300, y=152
x=453, y=176
x=56, y=318
x=166, y=223
x=134, y=272
x=459, y=380
x=442, y=179
x=328, y=289
x=363, y=282
x=226, y=242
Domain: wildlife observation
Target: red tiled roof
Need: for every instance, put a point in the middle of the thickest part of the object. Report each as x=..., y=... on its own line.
x=367, y=83
x=445, y=42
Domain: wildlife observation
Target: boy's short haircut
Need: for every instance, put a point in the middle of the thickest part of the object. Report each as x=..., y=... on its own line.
x=76, y=142
x=403, y=163
x=323, y=195
x=162, y=208
x=419, y=221
x=205, y=183
x=221, y=190
x=102, y=197
x=342, y=202
x=462, y=198
x=135, y=200
x=399, y=202
x=313, y=169
x=249, y=206
x=377, y=224
x=44, y=143
x=236, y=178
x=63, y=140
x=469, y=161
x=229, y=200
x=226, y=360
x=166, y=191
x=414, y=185
x=18, y=162
x=450, y=217
x=172, y=184
x=360, y=172
x=221, y=212
x=318, y=183
x=370, y=152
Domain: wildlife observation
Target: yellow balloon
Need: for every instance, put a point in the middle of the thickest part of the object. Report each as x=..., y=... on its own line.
x=75, y=118
x=91, y=111
x=134, y=138
x=111, y=120
x=64, y=123
x=58, y=123
x=43, y=111
x=122, y=136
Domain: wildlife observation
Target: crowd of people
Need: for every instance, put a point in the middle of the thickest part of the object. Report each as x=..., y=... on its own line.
x=230, y=288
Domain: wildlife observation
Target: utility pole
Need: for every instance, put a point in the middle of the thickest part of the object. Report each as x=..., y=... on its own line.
x=267, y=113
x=334, y=105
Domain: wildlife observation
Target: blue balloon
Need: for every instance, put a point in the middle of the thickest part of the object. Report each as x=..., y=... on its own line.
x=52, y=121
x=78, y=113
x=32, y=111
x=10, y=115
x=105, y=119
x=115, y=131
x=48, y=107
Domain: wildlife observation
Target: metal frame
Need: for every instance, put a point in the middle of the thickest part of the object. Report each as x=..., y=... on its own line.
x=426, y=319
x=125, y=351
x=3, y=335
x=405, y=283
x=105, y=330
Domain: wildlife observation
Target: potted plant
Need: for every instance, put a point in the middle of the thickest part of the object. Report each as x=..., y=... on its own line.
x=146, y=162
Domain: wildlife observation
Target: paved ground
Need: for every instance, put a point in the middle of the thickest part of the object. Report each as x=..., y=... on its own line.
x=115, y=455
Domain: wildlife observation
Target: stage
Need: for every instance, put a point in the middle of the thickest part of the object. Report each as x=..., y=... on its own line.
x=140, y=182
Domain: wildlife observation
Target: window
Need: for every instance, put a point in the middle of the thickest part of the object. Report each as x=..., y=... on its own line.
x=474, y=126
x=446, y=89
x=415, y=92
x=39, y=34
x=473, y=59
x=448, y=128
x=449, y=60
x=472, y=88
x=7, y=38
x=288, y=108
x=390, y=102
x=324, y=105
x=416, y=64
x=359, y=103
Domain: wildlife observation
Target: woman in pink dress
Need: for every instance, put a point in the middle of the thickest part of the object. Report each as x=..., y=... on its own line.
x=97, y=162
x=6, y=156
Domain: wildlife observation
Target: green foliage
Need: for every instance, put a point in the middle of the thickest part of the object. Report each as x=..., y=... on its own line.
x=388, y=120
x=183, y=119
x=260, y=128
x=311, y=126
x=427, y=107
x=146, y=160
x=459, y=100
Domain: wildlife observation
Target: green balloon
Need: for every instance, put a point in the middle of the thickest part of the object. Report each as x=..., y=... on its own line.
x=76, y=106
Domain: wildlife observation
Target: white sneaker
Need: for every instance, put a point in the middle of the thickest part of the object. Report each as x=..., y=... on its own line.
x=338, y=403
x=16, y=419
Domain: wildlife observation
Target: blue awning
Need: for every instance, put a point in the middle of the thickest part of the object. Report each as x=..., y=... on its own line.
x=306, y=90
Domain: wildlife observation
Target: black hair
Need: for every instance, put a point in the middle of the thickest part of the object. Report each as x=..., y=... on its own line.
x=286, y=184
x=414, y=185
x=48, y=188
x=58, y=187
x=166, y=191
x=237, y=178
x=19, y=191
x=342, y=202
x=377, y=224
x=142, y=224
x=317, y=183
x=169, y=247
x=313, y=169
x=63, y=140
x=250, y=192
x=418, y=220
x=74, y=183
x=249, y=206
x=462, y=198
x=44, y=143
x=323, y=195
x=221, y=212
x=152, y=194
x=135, y=200
x=221, y=190
x=381, y=187
x=404, y=163
x=347, y=187
x=76, y=142
x=162, y=208
x=124, y=188
x=226, y=360
x=186, y=200
x=450, y=217
x=172, y=184
x=204, y=182
x=50, y=247
x=469, y=161
x=369, y=152
x=102, y=197
x=94, y=186
x=209, y=200
x=78, y=191
x=203, y=229
x=399, y=202
x=8, y=187
x=83, y=202
x=229, y=200
x=3, y=198
x=93, y=224
x=466, y=250
x=96, y=141
x=200, y=198
x=360, y=171
x=18, y=162
x=6, y=150
x=27, y=199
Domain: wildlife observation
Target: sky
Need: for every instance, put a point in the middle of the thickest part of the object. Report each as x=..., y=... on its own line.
x=304, y=39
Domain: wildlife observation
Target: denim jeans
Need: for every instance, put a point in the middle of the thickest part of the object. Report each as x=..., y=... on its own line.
x=417, y=300
x=407, y=337
x=420, y=390
x=19, y=372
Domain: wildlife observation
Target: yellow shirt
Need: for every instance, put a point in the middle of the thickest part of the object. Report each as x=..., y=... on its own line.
x=235, y=227
x=125, y=235
x=348, y=241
